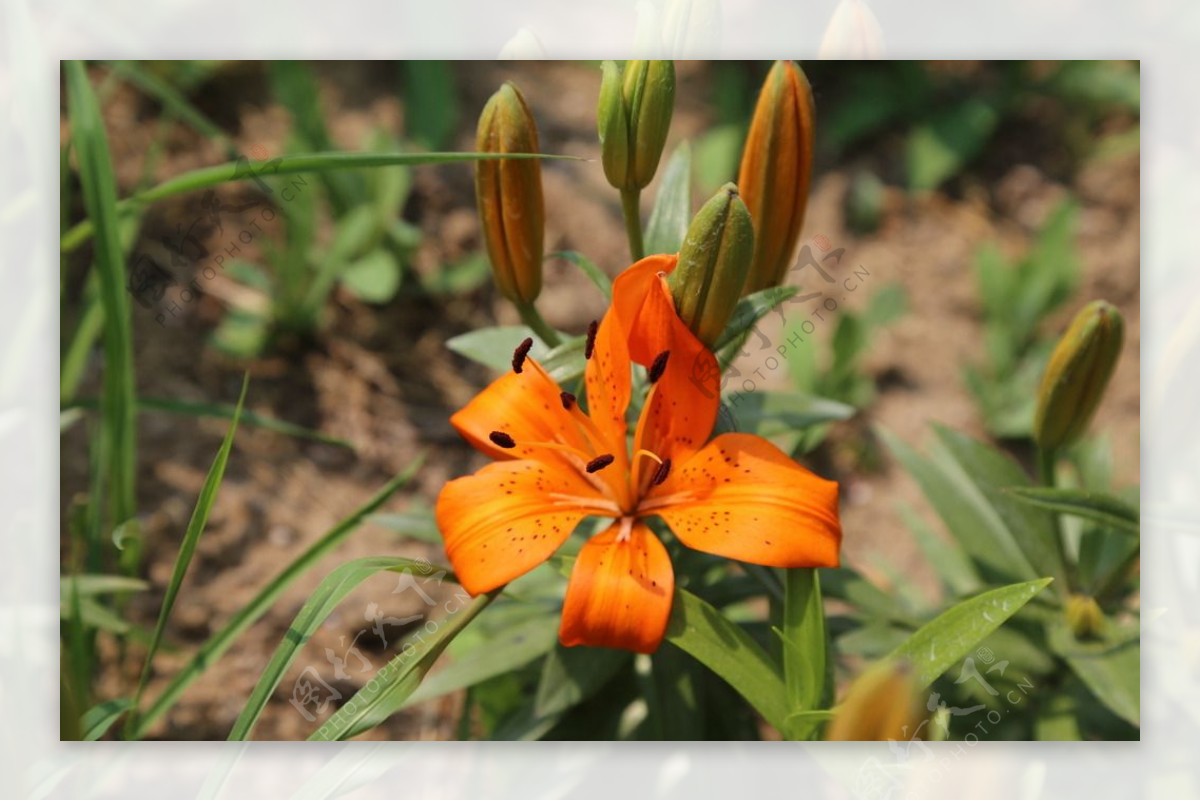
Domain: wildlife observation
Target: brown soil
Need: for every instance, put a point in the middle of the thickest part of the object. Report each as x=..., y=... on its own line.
x=382, y=379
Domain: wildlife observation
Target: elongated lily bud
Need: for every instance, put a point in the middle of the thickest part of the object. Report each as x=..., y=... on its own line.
x=881, y=704
x=633, y=117
x=1084, y=616
x=1077, y=374
x=775, y=172
x=509, y=195
x=713, y=262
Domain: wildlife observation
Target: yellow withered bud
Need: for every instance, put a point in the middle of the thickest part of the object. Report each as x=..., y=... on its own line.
x=775, y=172
x=881, y=704
x=509, y=195
x=713, y=261
x=1078, y=372
x=633, y=117
x=1084, y=616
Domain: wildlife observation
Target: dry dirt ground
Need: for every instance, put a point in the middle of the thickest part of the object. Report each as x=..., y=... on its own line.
x=382, y=379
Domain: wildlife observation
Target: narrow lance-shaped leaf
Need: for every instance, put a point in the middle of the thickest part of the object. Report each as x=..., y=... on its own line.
x=944, y=641
x=191, y=537
x=219, y=643
x=311, y=616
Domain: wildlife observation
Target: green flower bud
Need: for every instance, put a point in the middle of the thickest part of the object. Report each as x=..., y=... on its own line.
x=633, y=117
x=713, y=263
x=509, y=195
x=1084, y=617
x=1077, y=374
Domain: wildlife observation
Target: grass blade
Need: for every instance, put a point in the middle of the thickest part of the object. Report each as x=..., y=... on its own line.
x=221, y=411
x=588, y=267
x=219, y=643
x=316, y=609
x=174, y=103
x=241, y=170
x=398, y=679
x=100, y=718
x=204, y=504
x=117, y=431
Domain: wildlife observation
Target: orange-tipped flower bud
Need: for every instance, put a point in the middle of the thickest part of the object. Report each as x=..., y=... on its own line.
x=509, y=195
x=713, y=260
x=1077, y=374
x=634, y=116
x=881, y=704
x=776, y=170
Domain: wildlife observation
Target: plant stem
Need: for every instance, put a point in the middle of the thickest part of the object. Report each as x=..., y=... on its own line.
x=1046, y=461
x=631, y=206
x=534, y=320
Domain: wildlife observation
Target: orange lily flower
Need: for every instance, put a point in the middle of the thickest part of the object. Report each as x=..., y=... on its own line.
x=737, y=496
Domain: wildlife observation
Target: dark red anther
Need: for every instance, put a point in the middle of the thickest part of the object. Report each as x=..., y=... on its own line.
x=659, y=366
x=660, y=475
x=600, y=462
x=502, y=440
x=520, y=353
x=568, y=400
x=593, y=327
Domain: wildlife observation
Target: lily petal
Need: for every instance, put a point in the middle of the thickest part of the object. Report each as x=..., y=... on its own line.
x=527, y=406
x=741, y=497
x=620, y=591
x=508, y=518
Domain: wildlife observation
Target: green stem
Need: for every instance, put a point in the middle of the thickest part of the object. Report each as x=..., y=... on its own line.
x=1046, y=474
x=631, y=207
x=805, y=669
x=534, y=320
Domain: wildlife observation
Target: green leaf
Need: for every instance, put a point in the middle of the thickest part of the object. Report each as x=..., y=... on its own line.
x=100, y=718
x=573, y=675
x=506, y=650
x=398, y=679
x=566, y=362
x=292, y=164
x=91, y=584
x=728, y=651
x=191, y=537
x=118, y=430
x=804, y=639
x=312, y=615
x=951, y=564
x=589, y=268
x=493, y=347
x=174, y=103
x=939, y=148
x=991, y=471
x=1110, y=669
x=746, y=314
x=966, y=513
x=1095, y=506
x=769, y=414
x=464, y=276
x=242, y=334
x=672, y=205
x=417, y=523
x=127, y=534
x=430, y=102
x=244, y=618
x=948, y=638
x=373, y=278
